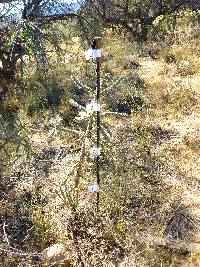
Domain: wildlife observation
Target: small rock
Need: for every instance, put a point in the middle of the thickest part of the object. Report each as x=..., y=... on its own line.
x=56, y=254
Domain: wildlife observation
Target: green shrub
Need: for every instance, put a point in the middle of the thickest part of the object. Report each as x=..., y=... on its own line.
x=54, y=93
x=163, y=28
x=171, y=55
x=129, y=96
x=43, y=97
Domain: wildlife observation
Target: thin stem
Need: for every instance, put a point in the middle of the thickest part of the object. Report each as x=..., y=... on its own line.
x=98, y=86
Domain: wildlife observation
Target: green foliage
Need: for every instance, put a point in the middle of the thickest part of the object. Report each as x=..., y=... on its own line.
x=22, y=34
x=138, y=18
x=54, y=94
x=170, y=55
x=43, y=230
x=13, y=138
x=43, y=96
x=163, y=28
x=129, y=96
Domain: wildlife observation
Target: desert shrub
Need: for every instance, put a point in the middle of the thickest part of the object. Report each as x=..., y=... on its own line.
x=14, y=142
x=42, y=97
x=172, y=54
x=54, y=93
x=171, y=98
x=169, y=28
x=27, y=226
x=179, y=101
x=129, y=97
x=131, y=65
x=163, y=28
x=183, y=59
x=132, y=196
x=9, y=108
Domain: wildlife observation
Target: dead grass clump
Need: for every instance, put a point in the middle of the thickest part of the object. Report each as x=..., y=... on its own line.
x=171, y=97
x=186, y=68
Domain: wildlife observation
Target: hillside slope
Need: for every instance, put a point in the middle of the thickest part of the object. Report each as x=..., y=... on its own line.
x=150, y=163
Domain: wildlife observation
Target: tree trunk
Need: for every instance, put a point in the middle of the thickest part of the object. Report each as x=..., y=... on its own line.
x=8, y=61
x=8, y=65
